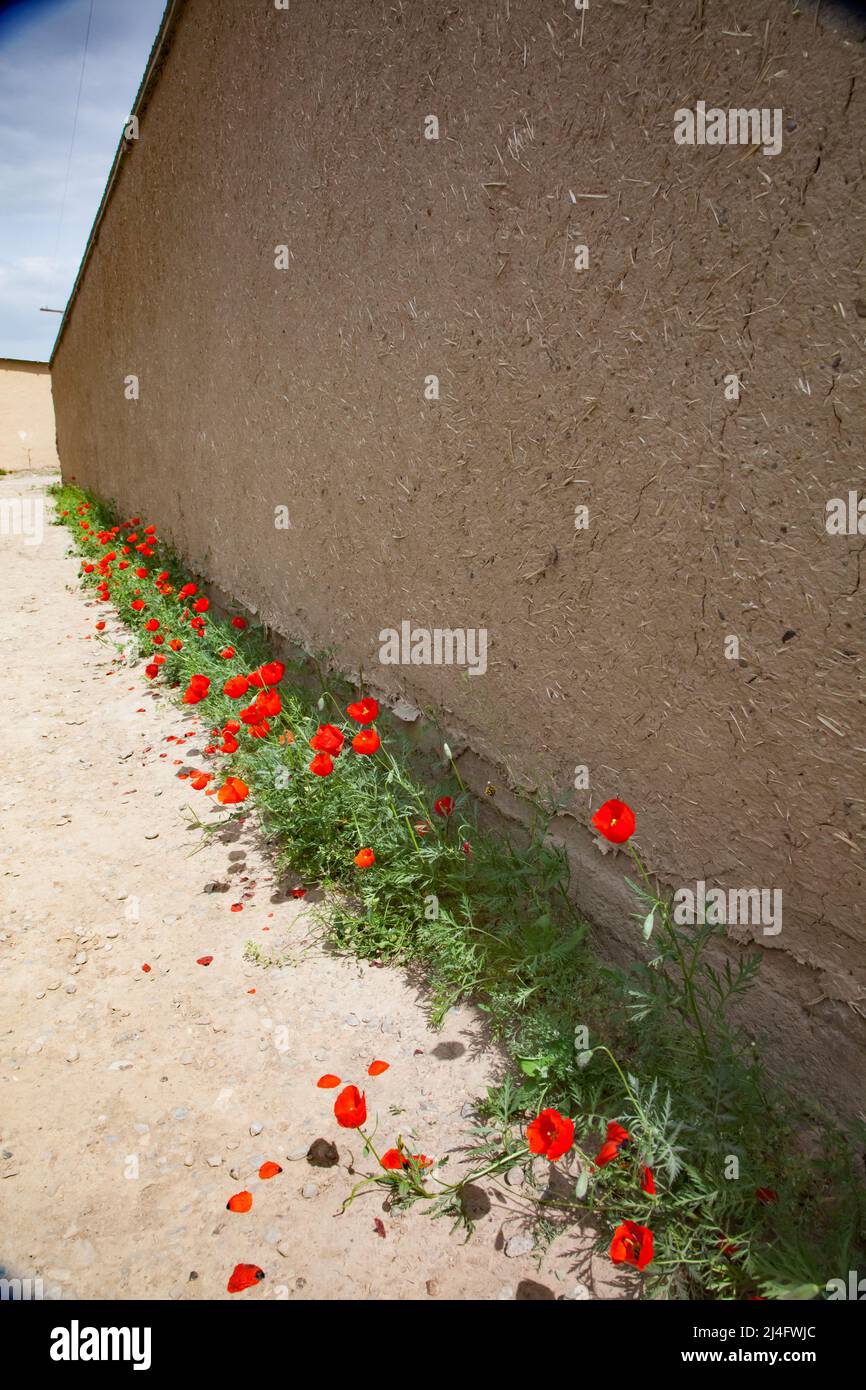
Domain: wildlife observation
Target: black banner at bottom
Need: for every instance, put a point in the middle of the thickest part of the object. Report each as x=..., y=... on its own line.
x=190, y=1336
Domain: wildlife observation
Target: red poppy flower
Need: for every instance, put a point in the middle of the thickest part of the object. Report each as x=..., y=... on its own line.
x=269, y=703
x=242, y=1201
x=236, y=687
x=100, y=625
x=269, y=674
x=138, y=604
x=350, y=1108
x=648, y=1183
x=229, y=743
x=322, y=765
x=142, y=572
x=232, y=791
x=550, y=1134
x=151, y=670
x=227, y=653
x=260, y=730
x=393, y=1160
x=444, y=806
x=269, y=1170
x=363, y=711
x=616, y=1137
x=327, y=739
x=376, y=1068
x=158, y=639
x=328, y=1082
x=201, y=605
x=152, y=625
x=364, y=858
x=367, y=741
x=239, y=623
x=243, y=1277
x=231, y=726
x=204, y=960
x=200, y=782
x=299, y=892
x=632, y=1245
x=187, y=591
x=615, y=821
x=175, y=644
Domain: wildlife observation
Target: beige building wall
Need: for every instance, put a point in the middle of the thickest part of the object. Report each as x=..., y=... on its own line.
x=434, y=379
x=26, y=417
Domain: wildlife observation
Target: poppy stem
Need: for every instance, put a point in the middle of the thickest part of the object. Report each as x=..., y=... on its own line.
x=686, y=973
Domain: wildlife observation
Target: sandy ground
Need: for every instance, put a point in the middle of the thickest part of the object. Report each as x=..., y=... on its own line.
x=135, y=1104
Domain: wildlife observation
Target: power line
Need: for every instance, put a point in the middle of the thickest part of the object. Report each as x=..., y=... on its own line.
x=74, y=129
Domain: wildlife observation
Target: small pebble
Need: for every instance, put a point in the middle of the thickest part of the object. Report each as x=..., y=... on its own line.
x=73, y=1054
x=256, y=1128
x=309, y=1190
x=519, y=1245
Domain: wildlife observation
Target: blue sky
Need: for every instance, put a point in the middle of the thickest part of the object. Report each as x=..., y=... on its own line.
x=41, y=50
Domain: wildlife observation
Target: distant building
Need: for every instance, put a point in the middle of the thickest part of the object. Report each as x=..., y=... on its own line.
x=26, y=417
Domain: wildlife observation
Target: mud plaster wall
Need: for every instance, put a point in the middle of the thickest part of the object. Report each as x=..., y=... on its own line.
x=409, y=257
x=26, y=409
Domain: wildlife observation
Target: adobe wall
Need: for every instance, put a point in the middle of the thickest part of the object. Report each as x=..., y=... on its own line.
x=558, y=388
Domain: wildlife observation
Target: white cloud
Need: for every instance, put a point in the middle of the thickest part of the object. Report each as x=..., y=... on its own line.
x=41, y=46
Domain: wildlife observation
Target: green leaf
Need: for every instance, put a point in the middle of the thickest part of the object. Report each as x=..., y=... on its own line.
x=534, y=1066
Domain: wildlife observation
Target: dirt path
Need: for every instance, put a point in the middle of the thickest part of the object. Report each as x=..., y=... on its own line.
x=134, y=1103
